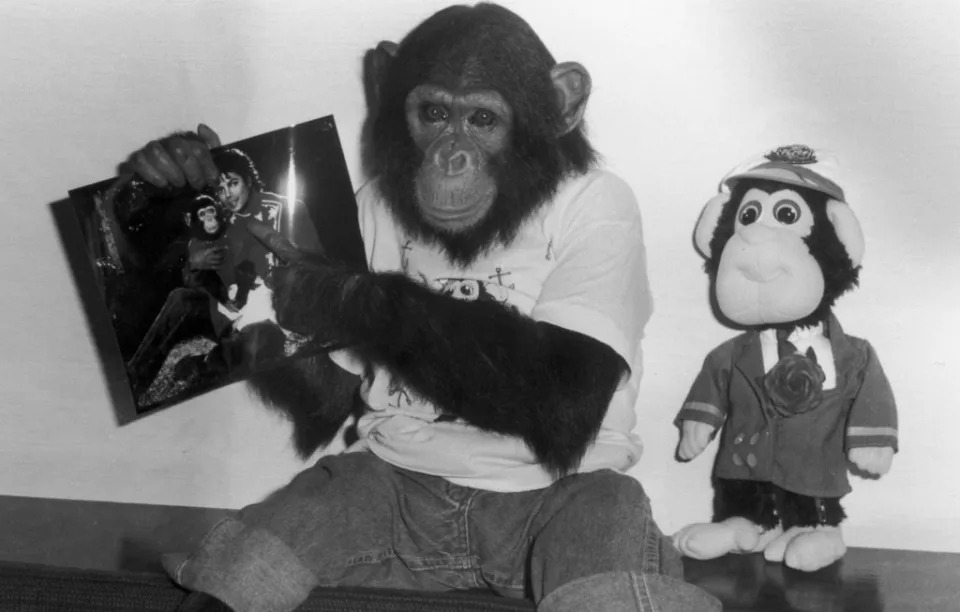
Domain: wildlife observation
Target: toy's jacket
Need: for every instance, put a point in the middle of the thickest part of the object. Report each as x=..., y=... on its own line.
x=803, y=453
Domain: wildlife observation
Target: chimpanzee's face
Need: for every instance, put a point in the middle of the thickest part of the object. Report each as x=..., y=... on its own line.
x=475, y=126
x=459, y=135
x=209, y=219
x=233, y=191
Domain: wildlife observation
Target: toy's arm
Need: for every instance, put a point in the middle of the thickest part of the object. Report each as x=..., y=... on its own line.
x=694, y=437
x=703, y=412
x=871, y=438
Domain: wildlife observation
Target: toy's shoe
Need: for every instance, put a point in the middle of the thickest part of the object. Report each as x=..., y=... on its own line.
x=807, y=548
x=733, y=535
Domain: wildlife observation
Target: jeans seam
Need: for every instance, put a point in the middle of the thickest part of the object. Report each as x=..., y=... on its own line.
x=651, y=553
x=494, y=579
x=643, y=595
x=465, y=526
x=414, y=563
x=465, y=563
x=372, y=557
x=192, y=557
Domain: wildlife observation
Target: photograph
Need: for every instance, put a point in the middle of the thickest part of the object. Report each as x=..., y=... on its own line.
x=185, y=274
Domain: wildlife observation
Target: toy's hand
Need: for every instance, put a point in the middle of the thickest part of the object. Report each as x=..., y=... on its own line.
x=874, y=460
x=179, y=159
x=694, y=437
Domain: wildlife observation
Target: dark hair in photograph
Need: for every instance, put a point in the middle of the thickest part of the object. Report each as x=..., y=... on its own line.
x=236, y=161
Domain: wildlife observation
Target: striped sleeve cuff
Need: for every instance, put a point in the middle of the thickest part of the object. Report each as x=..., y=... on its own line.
x=872, y=436
x=702, y=412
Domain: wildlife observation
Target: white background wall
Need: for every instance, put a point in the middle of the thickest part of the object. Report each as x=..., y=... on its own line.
x=683, y=91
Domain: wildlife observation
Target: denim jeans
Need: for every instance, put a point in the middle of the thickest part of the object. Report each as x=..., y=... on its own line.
x=587, y=542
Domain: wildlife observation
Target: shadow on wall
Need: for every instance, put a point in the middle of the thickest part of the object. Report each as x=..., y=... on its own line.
x=97, y=317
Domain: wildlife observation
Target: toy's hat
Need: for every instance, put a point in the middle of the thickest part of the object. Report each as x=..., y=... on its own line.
x=797, y=165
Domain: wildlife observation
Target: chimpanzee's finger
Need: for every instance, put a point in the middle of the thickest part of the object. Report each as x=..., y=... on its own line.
x=154, y=165
x=209, y=137
x=187, y=154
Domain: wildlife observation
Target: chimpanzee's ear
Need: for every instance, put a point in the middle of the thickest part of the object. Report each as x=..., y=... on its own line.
x=376, y=65
x=573, y=84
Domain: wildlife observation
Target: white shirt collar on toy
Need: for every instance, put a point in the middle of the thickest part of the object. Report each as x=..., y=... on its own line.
x=809, y=337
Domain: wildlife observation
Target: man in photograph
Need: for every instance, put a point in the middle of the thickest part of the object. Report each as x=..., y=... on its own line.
x=240, y=321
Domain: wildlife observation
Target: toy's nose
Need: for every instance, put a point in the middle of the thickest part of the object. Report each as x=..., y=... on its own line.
x=757, y=233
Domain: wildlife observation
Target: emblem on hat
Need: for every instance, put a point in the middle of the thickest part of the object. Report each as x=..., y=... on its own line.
x=793, y=154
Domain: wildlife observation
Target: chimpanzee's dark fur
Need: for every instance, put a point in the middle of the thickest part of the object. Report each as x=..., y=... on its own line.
x=477, y=360
x=315, y=393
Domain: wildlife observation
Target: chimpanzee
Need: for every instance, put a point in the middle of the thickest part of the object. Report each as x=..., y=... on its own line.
x=207, y=252
x=496, y=432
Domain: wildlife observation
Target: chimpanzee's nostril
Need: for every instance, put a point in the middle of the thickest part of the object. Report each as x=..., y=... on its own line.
x=458, y=163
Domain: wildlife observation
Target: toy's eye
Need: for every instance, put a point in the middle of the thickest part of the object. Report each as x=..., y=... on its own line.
x=786, y=212
x=433, y=113
x=750, y=212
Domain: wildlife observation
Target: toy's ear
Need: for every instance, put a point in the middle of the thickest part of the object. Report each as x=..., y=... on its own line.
x=848, y=229
x=707, y=222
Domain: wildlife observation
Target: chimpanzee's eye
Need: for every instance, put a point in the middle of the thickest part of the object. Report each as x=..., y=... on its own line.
x=483, y=118
x=433, y=113
x=750, y=212
x=786, y=212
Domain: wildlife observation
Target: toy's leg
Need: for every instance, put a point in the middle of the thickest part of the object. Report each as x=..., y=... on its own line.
x=813, y=538
x=745, y=521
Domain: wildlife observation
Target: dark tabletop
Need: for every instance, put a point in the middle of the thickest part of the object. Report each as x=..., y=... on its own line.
x=131, y=537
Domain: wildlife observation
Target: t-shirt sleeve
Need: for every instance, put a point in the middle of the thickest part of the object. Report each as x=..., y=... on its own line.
x=381, y=243
x=599, y=286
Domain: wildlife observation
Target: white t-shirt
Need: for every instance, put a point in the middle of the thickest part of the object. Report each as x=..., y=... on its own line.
x=577, y=263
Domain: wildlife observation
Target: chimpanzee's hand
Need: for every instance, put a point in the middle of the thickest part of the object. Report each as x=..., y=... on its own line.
x=208, y=258
x=178, y=159
x=307, y=296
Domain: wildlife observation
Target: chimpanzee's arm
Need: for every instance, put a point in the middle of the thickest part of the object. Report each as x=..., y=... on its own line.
x=480, y=360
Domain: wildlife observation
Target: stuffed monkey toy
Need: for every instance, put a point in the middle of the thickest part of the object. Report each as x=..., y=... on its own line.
x=792, y=398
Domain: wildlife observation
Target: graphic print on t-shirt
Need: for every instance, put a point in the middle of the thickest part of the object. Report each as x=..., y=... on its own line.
x=490, y=285
x=470, y=289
